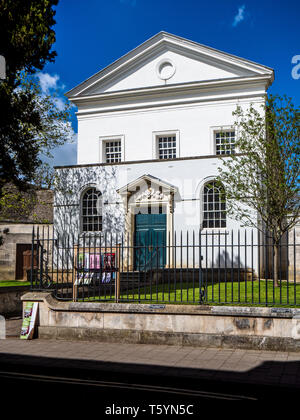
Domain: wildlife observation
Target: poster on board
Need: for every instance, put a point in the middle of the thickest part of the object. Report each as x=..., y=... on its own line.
x=97, y=267
x=29, y=320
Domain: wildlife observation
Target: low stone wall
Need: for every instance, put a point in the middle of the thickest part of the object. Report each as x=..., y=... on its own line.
x=216, y=326
x=10, y=299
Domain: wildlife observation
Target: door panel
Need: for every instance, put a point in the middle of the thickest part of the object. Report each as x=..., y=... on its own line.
x=150, y=241
x=20, y=248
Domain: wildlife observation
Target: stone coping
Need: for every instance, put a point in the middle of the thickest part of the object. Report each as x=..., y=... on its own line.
x=238, y=311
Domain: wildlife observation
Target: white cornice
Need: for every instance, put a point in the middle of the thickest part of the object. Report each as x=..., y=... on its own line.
x=257, y=98
x=176, y=88
x=172, y=95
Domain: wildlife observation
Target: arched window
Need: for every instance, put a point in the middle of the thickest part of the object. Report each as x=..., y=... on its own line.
x=91, y=210
x=214, y=205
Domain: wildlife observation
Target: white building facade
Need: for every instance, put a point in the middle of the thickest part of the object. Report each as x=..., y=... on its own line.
x=151, y=129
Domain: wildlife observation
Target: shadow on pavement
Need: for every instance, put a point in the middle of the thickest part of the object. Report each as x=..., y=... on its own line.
x=127, y=383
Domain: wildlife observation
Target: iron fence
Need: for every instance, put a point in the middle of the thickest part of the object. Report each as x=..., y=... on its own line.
x=224, y=267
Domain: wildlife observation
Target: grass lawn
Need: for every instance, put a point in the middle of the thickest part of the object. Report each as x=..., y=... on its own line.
x=248, y=293
x=6, y=283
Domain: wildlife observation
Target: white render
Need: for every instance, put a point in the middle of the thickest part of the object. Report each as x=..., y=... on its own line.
x=167, y=85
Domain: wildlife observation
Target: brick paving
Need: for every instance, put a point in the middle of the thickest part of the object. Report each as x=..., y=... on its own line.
x=236, y=365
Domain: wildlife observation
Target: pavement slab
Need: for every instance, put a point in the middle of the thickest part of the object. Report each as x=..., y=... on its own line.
x=225, y=365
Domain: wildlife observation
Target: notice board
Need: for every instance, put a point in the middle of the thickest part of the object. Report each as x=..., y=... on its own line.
x=97, y=264
x=29, y=320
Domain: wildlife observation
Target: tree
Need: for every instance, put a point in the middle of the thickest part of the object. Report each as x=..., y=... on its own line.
x=16, y=205
x=26, y=35
x=44, y=176
x=31, y=122
x=262, y=180
x=34, y=124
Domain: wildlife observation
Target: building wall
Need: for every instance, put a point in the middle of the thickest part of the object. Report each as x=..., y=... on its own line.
x=193, y=123
x=294, y=253
x=188, y=175
x=135, y=104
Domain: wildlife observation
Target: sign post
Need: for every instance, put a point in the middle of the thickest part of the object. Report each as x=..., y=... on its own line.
x=117, y=277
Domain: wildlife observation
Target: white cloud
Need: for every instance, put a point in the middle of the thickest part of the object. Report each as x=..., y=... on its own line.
x=240, y=16
x=60, y=103
x=48, y=82
x=51, y=86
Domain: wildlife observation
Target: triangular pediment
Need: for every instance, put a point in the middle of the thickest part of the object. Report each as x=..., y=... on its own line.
x=147, y=186
x=166, y=59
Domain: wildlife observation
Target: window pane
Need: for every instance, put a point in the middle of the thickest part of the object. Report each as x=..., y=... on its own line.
x=225, y=142
x=113, y=151
x=166, y=147
x=213, y=202
x=91, y=211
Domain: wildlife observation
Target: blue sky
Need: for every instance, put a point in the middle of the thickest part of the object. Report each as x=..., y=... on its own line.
x=91, y=34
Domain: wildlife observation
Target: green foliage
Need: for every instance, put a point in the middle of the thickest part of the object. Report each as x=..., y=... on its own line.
x=262, y=178
x=44, y=176
x=256, y=292
x=32, y=122
x=16, y=205
x=23, y=206
x=26, y=35
x=14, y=283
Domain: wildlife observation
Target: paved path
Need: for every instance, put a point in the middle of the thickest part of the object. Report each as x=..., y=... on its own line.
x=234, y=365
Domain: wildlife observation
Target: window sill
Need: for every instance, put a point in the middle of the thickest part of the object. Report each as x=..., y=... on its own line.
x=213, y=231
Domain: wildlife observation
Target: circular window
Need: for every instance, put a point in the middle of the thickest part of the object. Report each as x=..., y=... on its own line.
x=165, y=69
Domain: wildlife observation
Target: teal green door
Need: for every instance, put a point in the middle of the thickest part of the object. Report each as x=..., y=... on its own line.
x=150, y=241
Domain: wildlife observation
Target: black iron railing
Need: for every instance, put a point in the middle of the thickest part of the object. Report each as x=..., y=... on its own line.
x=217, y=267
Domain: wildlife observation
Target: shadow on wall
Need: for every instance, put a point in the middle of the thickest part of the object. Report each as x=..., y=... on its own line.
x=70, y=183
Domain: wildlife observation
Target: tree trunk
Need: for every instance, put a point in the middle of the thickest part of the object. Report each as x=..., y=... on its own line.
x=276, y=255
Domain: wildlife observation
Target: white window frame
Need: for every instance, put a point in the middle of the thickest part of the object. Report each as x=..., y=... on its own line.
x=82, y=216
x=166, y=133
x=218, y=129
x=208, y=228
x=107, y=139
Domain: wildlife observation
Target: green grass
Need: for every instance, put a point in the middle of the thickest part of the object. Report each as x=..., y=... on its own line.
x=237, y=293
x=8, y=283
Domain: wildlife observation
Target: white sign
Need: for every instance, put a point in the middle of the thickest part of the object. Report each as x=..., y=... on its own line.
x=29, y=319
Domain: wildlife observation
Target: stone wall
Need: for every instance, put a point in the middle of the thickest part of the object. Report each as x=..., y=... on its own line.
x=10, y=300
x=238, y=327
x=31, y=206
